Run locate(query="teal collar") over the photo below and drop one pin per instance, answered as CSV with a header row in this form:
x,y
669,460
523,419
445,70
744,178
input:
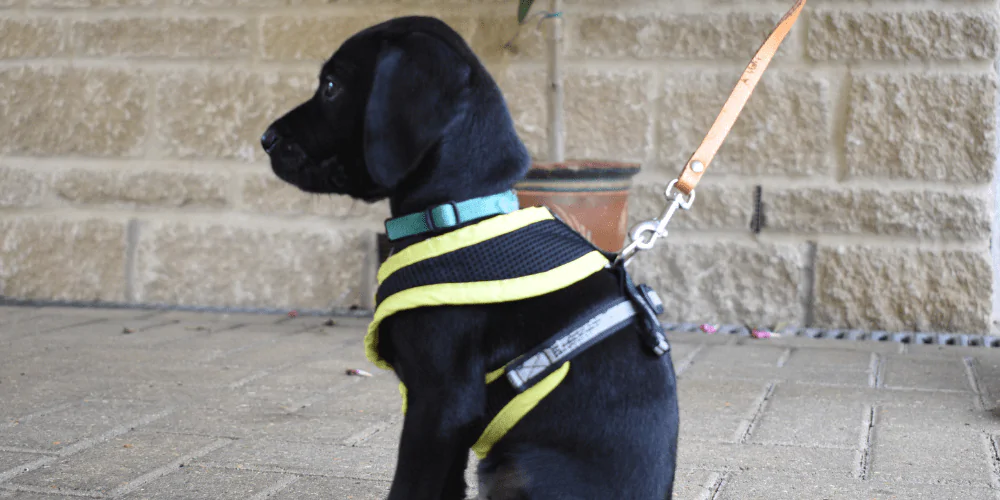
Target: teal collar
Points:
x,y
450,215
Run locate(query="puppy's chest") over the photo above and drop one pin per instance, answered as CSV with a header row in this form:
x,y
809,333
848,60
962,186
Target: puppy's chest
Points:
x,y
525,254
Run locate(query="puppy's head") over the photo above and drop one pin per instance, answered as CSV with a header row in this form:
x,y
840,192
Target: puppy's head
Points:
x,y
405,110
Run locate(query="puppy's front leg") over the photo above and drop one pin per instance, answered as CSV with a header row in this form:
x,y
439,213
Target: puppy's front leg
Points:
x,y
434,449
446,397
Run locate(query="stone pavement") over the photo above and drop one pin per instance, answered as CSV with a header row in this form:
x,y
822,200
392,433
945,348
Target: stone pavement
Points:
x,y
154,405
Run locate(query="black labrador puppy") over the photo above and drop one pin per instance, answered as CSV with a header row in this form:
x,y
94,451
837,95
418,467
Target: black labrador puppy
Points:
x,y
406,111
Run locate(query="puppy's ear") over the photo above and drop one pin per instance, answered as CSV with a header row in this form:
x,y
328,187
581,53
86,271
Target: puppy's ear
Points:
x,y
418,89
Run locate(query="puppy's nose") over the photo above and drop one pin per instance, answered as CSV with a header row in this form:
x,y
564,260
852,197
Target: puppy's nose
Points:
x,y
269,140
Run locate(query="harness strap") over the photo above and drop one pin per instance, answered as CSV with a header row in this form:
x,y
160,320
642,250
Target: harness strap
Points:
x,y
594,326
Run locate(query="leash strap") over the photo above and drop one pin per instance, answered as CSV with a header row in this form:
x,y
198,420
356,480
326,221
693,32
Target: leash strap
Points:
x,y
705,153
450,215
680,191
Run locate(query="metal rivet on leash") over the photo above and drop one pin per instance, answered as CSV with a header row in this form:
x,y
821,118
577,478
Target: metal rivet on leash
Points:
x,y
646,233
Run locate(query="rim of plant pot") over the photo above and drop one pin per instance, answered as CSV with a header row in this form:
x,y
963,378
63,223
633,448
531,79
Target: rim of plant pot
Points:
x,y
583,169
592,176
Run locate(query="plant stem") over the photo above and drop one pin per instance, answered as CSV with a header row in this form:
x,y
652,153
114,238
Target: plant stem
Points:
x,y
557,135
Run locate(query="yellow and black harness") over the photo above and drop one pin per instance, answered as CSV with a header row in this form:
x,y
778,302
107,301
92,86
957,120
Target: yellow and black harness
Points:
x,y
516,255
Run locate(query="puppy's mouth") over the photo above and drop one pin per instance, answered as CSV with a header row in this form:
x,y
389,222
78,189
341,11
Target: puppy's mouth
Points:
x,y
329,176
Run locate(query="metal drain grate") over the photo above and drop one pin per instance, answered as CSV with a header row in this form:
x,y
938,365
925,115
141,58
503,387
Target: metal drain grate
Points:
x,y
952,339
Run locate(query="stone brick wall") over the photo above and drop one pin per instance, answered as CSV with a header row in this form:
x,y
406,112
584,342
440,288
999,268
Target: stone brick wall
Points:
x,y
130,169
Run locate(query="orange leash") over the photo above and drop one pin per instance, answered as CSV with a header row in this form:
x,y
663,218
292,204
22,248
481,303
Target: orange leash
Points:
x,y
703,156
644,235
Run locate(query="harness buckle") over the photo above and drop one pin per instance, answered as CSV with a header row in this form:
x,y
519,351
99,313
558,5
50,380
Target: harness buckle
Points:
x,y
429,216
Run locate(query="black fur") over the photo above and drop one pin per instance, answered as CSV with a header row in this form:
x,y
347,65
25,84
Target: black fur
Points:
x,y
414,117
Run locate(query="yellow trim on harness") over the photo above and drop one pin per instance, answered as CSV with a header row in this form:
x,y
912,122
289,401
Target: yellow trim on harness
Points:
x,y
518,407
460,238
495,374
480,292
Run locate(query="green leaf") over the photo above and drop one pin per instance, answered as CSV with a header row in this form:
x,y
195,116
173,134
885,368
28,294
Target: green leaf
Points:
x,y
522,10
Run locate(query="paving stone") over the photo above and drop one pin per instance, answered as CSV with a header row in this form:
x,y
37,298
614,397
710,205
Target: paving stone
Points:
x,y
41,324
947,375
305,458
10,315
377,397
694,484
12,459
880,488
813,416
731,457
929,447
260,424
198,483
110,464
743,354
68,425
23,495
830,376
714,410
841,359
789,485
785,485
327,487
381,435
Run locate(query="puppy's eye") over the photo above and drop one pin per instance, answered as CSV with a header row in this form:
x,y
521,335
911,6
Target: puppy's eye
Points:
x,y
330,90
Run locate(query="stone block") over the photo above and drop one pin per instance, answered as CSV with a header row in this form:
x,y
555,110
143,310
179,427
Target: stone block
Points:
x,y
720,205
733,35
726,281
265,193
199,483
240,265
21,187
902,289
205,36
906,213
316,38
783,130
492,34
912,35
932,127
156,188
524,90
51,111
108,465
50,258
233,108
607,114
908,373
32,37
801,415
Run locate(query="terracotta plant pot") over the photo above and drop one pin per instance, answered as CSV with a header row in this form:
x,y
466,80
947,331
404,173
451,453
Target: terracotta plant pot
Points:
x,y
590,196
